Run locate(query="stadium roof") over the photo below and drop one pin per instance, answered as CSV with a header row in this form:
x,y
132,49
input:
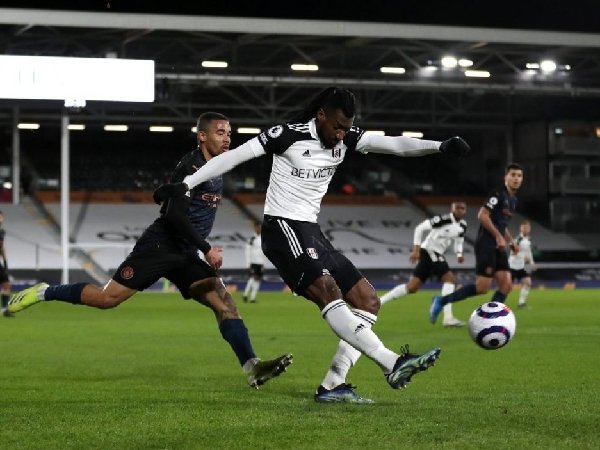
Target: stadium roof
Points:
x,y
260,44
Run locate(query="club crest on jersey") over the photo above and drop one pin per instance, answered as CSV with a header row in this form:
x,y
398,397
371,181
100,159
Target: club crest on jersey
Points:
x,y
127,273
312,253
336,153
275,131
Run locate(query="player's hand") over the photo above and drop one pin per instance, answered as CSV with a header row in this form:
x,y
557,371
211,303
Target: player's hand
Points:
x,y
214,257
514,247
460,259
533,268
455,146
165,191
500,242
414,257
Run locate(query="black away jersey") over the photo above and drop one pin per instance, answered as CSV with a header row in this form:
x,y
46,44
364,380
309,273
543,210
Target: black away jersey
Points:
x,y
502,206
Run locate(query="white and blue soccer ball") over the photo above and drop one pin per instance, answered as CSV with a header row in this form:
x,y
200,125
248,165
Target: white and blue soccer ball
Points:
x,y
492,325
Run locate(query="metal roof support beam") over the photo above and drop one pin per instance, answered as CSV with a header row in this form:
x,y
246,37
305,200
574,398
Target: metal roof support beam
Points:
x,y
41,17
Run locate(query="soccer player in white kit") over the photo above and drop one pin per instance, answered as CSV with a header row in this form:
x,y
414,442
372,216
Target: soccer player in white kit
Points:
x,y
518,262
255,260
443,231
306,153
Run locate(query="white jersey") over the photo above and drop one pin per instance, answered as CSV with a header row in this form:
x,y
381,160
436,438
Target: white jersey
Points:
x,y
302,167
443,231
254,253
517,261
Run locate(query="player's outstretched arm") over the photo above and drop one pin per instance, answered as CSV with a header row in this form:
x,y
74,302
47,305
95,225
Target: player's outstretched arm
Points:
x,y
397,145
225,162
407,146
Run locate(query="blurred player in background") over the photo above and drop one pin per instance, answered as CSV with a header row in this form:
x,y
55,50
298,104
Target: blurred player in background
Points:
x,y
169,248
518,262
493,236
306,153
4,278
443,230
255,260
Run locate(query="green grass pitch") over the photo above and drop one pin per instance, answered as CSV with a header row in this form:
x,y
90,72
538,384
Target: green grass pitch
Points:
x,y
156,374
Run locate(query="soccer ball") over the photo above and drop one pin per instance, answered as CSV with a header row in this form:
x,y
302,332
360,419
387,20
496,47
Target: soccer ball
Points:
x,y
492,325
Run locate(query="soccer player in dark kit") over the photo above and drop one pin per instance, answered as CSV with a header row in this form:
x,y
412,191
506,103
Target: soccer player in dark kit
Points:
x,y
491,257
169,248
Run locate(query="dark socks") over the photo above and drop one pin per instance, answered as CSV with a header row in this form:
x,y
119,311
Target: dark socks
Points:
x,y
5,298
70,293
468,290
234,331
499,297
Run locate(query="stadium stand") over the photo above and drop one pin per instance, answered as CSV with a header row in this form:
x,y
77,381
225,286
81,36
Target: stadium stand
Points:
x,y
375,231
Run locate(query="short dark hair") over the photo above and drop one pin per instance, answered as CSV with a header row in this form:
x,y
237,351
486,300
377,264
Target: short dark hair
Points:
x,y
330,99
512,166
206,118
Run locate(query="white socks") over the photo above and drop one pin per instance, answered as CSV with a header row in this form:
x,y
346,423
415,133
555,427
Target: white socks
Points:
x,y
249,284
358,334
252,287
523,294
398,291
346,355
447,288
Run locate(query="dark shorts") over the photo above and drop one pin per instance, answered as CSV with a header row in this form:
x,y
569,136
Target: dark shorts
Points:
x,y
142,269
427,266
3,275
489,260
519,274
301,254
256,270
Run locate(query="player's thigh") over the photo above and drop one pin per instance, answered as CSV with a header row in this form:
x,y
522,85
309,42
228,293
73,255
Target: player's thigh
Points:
x,y
485,261
424,267
519,275
4,278
289,245
344,272
440,267
192,270
257,271
515,275
141,270
502,261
